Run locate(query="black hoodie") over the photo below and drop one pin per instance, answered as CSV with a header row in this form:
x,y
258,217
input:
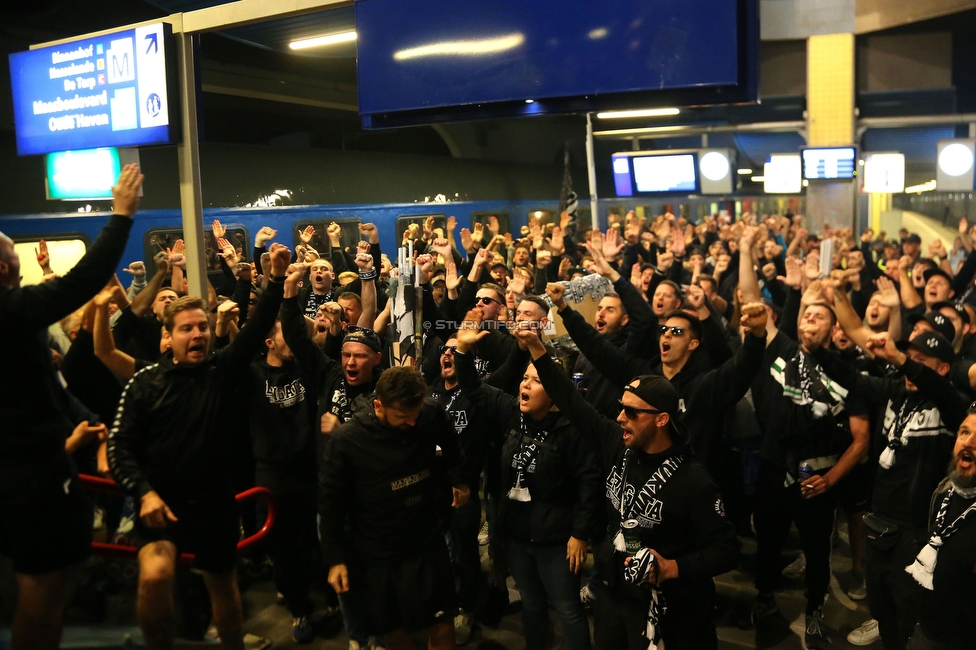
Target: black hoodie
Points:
x,y
385,493
689,522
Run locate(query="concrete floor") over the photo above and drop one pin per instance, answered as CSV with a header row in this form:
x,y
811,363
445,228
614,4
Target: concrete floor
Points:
x,y
269,625
783,631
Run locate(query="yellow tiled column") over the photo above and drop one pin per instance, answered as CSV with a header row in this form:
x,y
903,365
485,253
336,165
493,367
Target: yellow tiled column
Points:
x,y
830,90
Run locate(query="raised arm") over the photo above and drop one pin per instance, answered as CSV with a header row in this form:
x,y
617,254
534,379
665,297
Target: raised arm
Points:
x,y
602,432
617,366
38,306
909,296
367,276
115,360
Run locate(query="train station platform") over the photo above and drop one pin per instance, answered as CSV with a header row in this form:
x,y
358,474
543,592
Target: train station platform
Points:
x,y
268,625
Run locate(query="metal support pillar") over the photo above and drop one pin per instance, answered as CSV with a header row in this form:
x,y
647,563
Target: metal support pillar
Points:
x,y
191,192
591,174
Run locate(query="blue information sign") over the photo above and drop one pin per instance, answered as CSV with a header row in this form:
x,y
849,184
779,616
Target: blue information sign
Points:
x,y
114,90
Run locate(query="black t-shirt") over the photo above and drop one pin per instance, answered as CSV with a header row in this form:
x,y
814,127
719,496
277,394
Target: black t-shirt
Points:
x,y
800,409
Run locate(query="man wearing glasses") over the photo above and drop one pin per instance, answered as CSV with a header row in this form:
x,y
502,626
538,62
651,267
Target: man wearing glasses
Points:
x,y
668,535
479,292
703,397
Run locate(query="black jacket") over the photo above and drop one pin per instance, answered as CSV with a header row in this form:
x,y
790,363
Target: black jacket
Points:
x,y
385,493
565,483
34,426
690,523
945,613
901,494
323,375
704,396
169,435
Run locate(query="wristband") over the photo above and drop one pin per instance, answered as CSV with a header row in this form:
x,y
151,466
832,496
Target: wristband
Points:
x,y
368,274
276,278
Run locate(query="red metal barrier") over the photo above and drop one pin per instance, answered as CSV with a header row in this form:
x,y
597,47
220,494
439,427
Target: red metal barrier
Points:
x,y
109,486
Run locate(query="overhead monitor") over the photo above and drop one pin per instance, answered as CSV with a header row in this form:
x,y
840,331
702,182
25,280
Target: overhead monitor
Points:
x,y
88,174
829,163
782,174
884,172
441,60
655,173
113,90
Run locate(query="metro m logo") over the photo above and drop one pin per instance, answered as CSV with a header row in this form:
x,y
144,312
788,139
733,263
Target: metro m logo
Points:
x,y
121,61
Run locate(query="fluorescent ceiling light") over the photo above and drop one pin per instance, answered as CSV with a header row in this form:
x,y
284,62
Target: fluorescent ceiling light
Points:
x,y
462,48
318,41
928,186
757,179
645,112
744,171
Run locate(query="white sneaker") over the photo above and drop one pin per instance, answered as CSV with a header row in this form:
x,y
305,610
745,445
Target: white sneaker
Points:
x,y
796,569
865,635
462,628
483,535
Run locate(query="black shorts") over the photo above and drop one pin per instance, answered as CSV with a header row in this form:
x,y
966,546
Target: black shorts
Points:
x,y
208,527
854,490
411,594
47,525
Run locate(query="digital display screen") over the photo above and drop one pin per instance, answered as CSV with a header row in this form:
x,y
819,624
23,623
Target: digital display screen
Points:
x,y
827,164
653,174
114,90
434,60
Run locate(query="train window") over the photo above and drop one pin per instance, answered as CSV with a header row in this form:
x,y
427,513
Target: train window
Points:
x,y
482,218
404,221
160,239
542,217
615,215
348,233
584,219
64,252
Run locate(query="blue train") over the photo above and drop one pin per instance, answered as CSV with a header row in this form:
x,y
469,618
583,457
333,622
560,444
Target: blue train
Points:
x,y
154,230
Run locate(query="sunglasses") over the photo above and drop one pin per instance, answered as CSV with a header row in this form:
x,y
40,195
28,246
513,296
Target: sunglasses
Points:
x,y
445,348
368,333
485,300
675,331
632,413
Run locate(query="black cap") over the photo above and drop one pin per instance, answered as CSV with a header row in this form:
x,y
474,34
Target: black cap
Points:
x,y
958,306
497,264
931,344
939,323
929,273
913,238
364,335
893,243
660,393
577,269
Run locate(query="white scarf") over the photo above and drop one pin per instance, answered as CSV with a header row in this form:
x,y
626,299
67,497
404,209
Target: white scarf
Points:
x,y
923,568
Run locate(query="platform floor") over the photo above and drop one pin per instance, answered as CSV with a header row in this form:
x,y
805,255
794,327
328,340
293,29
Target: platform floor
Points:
x,y
269,625
783,631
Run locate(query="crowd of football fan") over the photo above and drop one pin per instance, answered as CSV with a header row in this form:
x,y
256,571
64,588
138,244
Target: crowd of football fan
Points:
x,y
730,383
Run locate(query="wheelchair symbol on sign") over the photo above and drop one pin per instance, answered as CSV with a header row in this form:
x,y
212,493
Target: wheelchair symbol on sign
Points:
x,y
153,105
